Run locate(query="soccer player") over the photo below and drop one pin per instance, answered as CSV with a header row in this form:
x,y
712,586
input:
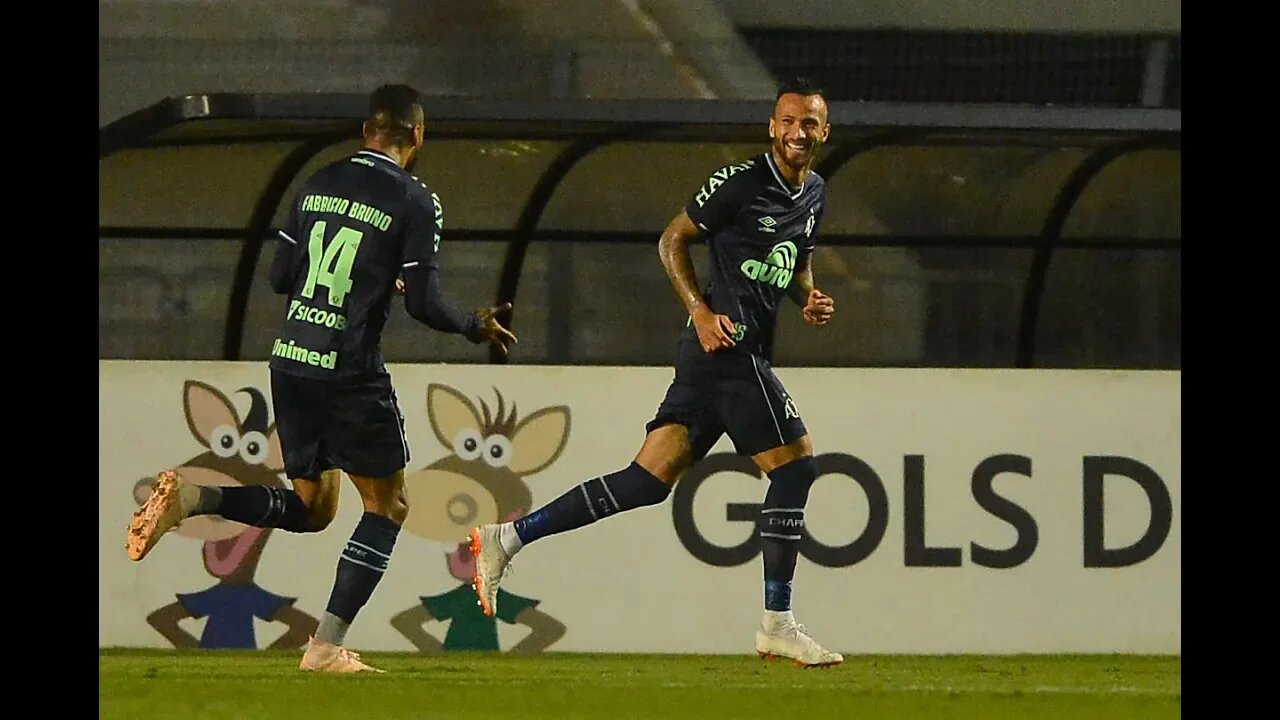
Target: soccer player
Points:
x,y
360,230
760,217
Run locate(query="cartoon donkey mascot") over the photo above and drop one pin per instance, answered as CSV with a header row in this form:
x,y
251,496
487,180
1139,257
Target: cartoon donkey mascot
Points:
x,y
481,480
243,453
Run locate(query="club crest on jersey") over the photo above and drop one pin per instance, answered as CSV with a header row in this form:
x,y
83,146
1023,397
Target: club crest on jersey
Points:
x,y
790,406
777,268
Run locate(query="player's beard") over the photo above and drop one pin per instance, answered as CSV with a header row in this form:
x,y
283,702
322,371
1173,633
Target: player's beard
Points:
x,y
792,159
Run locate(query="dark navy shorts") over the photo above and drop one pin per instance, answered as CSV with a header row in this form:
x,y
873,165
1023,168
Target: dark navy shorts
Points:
x,y
354,425
728,392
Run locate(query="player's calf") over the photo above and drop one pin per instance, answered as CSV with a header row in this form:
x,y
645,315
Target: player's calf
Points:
x,y
493,546
781,527
259,506
596,499
363,562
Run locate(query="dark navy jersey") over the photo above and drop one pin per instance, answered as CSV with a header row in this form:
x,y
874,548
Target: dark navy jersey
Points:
x,y
758,228
355,224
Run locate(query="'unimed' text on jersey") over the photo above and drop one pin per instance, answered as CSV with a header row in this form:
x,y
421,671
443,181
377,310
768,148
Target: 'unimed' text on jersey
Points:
x,y
758,229
356,223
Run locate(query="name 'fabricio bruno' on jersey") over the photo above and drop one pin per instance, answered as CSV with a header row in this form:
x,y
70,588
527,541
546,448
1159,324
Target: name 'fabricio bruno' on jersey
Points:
x,y
354,227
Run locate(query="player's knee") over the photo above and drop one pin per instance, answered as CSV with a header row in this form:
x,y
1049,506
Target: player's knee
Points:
x,y
666,453
665,470
777,457
394,507
320,516
399,509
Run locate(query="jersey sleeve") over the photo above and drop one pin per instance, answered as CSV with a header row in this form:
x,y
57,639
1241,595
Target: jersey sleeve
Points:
x,y
291,233
721,197
289,252
425,222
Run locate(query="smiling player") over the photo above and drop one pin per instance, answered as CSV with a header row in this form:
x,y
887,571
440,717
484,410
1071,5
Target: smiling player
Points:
x,y
760,219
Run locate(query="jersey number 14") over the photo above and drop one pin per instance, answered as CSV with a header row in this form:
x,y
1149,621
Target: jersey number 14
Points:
x,y
331,265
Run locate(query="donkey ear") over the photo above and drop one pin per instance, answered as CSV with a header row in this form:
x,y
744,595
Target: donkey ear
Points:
x,y
539,439
207,409
450,413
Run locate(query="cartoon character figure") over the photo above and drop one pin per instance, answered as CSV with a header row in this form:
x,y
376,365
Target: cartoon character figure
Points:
x,y
246,453
480,481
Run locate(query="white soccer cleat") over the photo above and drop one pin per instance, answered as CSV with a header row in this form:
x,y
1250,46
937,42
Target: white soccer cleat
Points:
x,y
321,656
791,640
492,564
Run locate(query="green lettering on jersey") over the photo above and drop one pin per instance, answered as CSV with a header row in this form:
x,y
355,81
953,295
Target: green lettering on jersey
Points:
x,y
331,265
778,267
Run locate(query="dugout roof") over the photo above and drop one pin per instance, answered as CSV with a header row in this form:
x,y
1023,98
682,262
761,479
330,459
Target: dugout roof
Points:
x,y
222,166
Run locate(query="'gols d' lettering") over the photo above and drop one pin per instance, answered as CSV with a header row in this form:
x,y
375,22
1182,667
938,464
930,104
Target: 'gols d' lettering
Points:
x,y
1096,470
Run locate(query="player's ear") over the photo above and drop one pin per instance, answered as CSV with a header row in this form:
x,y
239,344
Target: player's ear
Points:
x,y
419,135
826,132
773,129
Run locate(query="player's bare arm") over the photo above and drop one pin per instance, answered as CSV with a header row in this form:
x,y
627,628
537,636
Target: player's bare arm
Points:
x,y
714,331
815,306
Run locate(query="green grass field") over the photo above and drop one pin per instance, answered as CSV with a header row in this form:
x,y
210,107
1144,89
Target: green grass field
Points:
x,y
199,685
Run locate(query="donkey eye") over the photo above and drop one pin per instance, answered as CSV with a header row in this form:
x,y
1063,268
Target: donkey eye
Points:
x,y
253,447
467,444
224,441
497,450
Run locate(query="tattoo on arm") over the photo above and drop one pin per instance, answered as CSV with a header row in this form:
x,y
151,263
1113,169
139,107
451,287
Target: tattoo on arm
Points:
x,y
802,281
673,249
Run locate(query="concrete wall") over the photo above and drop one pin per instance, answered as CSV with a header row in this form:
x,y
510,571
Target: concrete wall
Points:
x,y
152,49
1155,16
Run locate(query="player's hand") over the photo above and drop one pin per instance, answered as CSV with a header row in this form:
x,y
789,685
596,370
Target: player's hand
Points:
x,y
818,309
491,330
715,332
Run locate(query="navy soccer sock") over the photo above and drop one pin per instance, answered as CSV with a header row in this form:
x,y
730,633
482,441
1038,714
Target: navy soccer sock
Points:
x,y
781,527
360,568
595,499
257,505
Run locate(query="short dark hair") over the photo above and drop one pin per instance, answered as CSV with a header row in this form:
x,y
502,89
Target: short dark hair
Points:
x,y
799,86
395,110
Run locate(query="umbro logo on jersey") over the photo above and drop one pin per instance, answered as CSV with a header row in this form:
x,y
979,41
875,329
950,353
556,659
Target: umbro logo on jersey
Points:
x,y
767,224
